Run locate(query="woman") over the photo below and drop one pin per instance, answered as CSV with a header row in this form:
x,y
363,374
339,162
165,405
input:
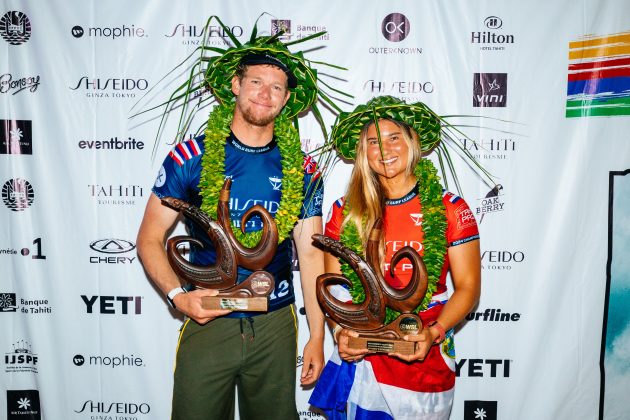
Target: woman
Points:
x,y
391,180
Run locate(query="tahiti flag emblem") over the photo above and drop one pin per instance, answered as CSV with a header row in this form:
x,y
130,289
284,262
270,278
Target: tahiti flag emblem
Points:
x,y
599,76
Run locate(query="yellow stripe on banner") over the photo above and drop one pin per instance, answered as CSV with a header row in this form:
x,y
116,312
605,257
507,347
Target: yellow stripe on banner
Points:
x,y
179,340
618,44
295,325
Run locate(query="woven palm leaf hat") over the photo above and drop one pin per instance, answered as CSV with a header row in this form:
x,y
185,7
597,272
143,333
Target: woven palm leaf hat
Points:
x,y
433,131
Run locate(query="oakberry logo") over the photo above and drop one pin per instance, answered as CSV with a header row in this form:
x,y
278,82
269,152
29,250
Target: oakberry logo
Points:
x,y
15,27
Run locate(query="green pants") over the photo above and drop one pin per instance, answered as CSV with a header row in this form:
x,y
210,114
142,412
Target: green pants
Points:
x,y
257,356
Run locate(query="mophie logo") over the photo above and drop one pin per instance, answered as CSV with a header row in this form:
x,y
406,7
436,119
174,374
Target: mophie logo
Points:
x,y
483,368
15,27
101,407
395,27
16,137
113,247
113,362
113,305
490,90
18,194
123,31
21,358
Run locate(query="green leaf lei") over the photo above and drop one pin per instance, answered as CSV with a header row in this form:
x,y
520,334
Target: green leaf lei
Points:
x,y
434,242
213,171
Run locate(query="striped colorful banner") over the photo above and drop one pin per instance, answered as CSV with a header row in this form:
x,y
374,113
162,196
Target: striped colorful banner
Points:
x,y
599,76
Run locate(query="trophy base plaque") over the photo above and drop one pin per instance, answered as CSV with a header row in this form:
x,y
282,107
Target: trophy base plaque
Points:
x,y
382,345
252,295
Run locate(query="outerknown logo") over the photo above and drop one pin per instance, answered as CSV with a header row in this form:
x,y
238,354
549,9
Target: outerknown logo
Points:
x,y
15,27
480,410
23,405
17,194
16,137
395,27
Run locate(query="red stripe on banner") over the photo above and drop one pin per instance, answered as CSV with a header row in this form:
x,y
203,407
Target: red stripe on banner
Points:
x,y
176,158
182,148
600,74
600,64
195,147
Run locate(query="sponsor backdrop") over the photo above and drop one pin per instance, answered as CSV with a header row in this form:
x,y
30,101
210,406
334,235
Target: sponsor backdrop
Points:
x,y
539,88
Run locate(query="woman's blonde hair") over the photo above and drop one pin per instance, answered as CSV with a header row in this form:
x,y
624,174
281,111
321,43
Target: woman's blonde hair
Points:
x,y
365,196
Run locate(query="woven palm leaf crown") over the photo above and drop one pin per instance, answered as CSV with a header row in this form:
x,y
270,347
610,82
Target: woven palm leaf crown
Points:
x,y
418,116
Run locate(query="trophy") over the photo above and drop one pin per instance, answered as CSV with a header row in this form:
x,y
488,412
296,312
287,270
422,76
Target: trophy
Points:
x,y
253,293
367,318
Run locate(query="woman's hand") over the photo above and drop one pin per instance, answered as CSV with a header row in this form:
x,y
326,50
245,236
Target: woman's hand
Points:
x,y
342,337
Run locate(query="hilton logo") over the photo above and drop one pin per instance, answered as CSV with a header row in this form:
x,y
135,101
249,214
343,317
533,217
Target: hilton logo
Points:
x,y
490,40
490,90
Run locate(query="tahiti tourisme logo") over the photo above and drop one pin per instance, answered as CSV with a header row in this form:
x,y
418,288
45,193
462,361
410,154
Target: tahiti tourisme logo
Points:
x,y
492,148
491,39
15,27
119,195
490,90
480,410
599,76
16,137
17,194
23,405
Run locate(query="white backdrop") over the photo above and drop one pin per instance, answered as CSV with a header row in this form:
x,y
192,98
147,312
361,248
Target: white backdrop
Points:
x,y
85,334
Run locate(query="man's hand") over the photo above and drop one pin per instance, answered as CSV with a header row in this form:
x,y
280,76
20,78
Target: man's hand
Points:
x,y
313,361
424,341
346,353
190,305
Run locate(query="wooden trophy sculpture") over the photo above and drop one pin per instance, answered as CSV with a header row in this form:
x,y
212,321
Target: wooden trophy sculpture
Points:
x,y
367,318
253,293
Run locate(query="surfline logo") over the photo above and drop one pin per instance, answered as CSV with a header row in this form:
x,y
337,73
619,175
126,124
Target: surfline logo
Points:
x,y
599,76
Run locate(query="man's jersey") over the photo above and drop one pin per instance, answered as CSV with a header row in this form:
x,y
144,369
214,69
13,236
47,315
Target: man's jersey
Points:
x,y
256,174
403,227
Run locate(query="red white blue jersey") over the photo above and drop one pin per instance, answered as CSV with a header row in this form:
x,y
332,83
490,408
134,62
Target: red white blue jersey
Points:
x,y
256,174
383,387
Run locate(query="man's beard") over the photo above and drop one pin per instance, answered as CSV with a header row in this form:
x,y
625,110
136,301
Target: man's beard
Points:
x,y
258,120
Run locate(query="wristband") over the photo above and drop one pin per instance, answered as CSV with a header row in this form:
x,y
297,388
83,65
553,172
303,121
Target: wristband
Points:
x,y
176,291
440,329
335,330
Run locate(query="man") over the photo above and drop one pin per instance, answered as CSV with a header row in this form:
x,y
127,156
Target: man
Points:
x,y
220,350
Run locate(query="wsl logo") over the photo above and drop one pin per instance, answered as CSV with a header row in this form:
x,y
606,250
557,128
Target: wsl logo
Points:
x,y
15,27
21,359
490,90
18,194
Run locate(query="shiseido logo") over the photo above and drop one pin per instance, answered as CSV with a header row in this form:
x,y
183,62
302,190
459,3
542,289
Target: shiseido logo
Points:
x,y
116,194
480,410
23,405
14,84
492,315
109,361
110,88
112,144
16,137
113,305
501,260
193,35
490,90
15,27
17,194
480,368
409,89
123,31
491,40
112,246
21,358
491,203
102,407
395,27
8,302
